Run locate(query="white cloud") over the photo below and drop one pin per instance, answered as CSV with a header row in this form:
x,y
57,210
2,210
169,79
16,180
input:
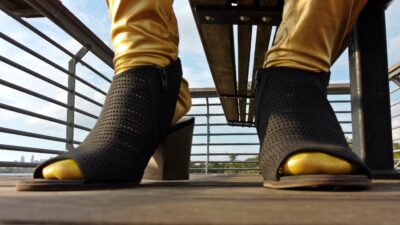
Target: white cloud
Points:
x,y
189,38
198,77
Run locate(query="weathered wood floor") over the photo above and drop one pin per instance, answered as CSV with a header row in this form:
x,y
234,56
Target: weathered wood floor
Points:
x,y
206,199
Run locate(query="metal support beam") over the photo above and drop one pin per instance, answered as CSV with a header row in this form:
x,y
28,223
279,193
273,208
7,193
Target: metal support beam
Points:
x,y
241,15
20,8
71,97
372,131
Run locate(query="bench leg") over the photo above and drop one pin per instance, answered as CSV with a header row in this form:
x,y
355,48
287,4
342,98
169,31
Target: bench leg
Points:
x,y
372,130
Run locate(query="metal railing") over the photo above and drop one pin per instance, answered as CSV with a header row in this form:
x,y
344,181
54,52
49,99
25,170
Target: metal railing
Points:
x,y
230,151
79,32
214,148
394,76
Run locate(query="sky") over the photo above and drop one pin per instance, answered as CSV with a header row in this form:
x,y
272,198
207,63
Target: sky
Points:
x,y
94,14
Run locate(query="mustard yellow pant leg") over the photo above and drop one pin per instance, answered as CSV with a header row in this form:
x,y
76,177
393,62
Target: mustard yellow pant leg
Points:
x,y
145,32
312,32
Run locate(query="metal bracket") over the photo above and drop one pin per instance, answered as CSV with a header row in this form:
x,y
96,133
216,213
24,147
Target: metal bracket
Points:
x,y
241,15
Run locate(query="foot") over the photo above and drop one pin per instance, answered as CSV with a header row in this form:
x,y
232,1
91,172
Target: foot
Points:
x,y
136,116
293,115
62,170
69,169
315,163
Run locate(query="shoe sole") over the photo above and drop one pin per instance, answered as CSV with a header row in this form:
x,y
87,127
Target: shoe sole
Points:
x,y
68,185
335,182
176,169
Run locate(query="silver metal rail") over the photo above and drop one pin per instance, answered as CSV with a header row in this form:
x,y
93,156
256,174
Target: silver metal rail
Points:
x,y
221,156
394,76
71,25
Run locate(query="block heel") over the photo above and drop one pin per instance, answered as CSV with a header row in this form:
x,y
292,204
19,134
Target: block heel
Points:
x,y
171,159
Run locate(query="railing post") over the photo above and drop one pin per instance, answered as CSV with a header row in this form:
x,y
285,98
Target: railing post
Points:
x,y
372,132
71,98
208,134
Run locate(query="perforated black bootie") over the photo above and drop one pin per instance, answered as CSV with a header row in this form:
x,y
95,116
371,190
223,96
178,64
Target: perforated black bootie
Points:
x,y
136,116
293,115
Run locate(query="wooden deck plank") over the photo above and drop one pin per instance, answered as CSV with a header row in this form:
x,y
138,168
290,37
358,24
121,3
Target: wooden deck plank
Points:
x,y
219,48
244,47
205,199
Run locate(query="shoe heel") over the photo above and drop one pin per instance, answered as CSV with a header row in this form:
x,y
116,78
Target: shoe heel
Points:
x,y
171,160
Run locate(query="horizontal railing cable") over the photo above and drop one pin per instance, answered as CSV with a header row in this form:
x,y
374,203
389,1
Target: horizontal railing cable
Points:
x,y
394,90
219,104
30,149
343,111
222,114
396,115
339,101
211,124
205,114
17,164
223,144
226,154
44,59
227,162
396,127
211,104
394,104
223,169
36,135
50,81
54,43
224,134
40,116
43,97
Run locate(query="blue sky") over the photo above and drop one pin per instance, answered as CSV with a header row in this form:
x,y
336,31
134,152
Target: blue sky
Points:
x,y
94,14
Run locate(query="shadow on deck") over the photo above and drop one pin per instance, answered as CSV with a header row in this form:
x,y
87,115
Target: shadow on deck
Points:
x,y
206,199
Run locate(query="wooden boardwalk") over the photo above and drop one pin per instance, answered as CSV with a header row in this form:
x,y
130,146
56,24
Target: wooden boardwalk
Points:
x,y
206,199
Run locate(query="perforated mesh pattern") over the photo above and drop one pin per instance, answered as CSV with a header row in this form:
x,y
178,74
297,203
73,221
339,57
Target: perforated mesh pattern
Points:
x,y
136,115
294,115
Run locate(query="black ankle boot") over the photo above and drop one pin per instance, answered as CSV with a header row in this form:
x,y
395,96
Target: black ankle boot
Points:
x,y
136,116
292,115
